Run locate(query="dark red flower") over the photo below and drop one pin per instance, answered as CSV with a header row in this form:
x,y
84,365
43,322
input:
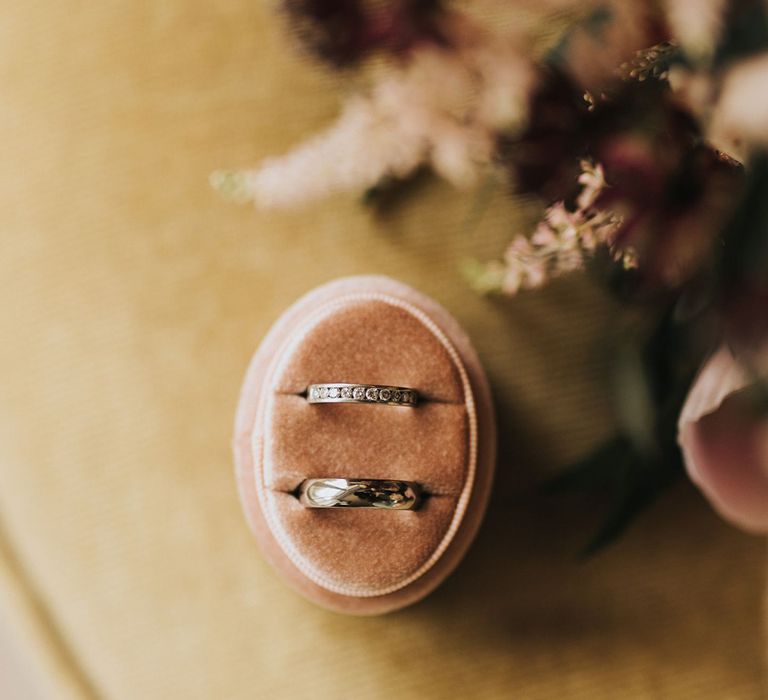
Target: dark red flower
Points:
x,y
673,192
345,32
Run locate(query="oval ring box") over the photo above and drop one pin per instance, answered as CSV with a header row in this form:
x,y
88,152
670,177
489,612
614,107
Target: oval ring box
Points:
x,y
365,330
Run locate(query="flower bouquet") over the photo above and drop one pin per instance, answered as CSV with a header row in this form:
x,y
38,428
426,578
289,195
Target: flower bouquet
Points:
x,y
642,130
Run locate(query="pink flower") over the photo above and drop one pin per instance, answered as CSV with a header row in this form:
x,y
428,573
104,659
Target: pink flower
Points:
x,y
441,107
741,114
593,180
696,24
725,443
561,243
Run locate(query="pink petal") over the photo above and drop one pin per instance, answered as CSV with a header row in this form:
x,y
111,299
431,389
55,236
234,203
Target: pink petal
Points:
x,y
725,443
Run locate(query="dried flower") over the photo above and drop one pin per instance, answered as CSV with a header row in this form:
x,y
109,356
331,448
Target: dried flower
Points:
x,y
443,108
672,193
592,180
651,63
561,243
366,144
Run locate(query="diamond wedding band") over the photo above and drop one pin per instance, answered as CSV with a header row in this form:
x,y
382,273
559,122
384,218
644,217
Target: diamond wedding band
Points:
x,y
359,493
362,393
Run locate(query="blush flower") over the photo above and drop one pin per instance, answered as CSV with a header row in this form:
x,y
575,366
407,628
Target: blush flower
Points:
x,y
442,109
697,25
725,443
561,243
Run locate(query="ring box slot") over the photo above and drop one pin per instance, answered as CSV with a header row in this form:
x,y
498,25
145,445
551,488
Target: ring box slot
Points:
x,y
368,342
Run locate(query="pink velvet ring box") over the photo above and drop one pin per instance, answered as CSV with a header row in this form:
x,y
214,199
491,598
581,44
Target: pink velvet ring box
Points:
x,y
365,330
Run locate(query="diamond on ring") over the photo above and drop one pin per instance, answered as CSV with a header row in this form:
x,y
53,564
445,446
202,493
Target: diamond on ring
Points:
x,y
362,393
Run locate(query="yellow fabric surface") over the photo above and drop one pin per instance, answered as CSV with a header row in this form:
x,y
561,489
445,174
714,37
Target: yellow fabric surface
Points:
x,y
132,300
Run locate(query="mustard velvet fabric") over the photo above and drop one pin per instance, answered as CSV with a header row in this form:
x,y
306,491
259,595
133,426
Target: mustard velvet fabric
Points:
x,y
132,300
